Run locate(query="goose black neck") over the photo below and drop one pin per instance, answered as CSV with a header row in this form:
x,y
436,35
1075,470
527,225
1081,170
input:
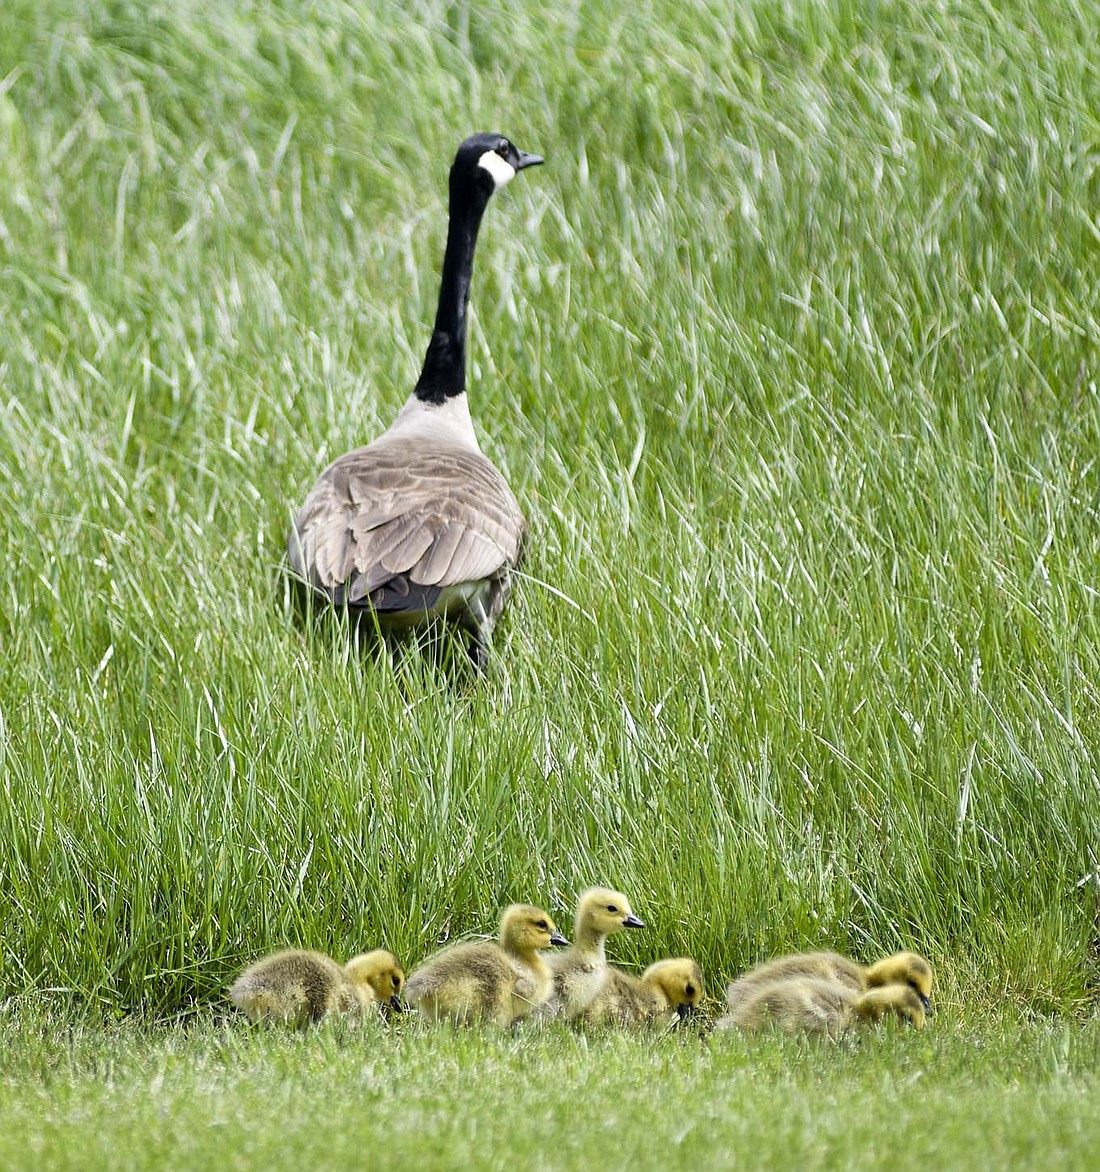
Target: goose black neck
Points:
x,y
444,371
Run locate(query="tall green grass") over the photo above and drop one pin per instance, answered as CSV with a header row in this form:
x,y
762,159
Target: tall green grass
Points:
x,y
790,353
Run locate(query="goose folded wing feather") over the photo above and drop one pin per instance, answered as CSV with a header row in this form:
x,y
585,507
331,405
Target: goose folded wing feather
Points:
x,y
378,520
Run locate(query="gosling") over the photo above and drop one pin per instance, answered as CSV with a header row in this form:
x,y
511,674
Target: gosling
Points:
x,y
580,971
673,985
500,982
903,968
815,1006
296,987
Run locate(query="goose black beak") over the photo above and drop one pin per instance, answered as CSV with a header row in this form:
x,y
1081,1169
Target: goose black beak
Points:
x,y
926,1004
526,160
396,1004
684,1011
558,940
632,921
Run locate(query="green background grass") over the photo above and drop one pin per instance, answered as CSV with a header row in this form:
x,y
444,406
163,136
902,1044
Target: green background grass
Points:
x,y
790,352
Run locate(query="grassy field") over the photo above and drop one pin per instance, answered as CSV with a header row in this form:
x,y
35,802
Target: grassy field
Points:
x,y
214,1097
791,355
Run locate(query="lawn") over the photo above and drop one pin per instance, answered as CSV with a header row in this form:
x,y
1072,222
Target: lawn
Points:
x,y
991,1094
790,353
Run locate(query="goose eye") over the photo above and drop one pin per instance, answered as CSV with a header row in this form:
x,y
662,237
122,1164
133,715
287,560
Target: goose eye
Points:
x,y
397,982
543,925
612,909
503,148
690,990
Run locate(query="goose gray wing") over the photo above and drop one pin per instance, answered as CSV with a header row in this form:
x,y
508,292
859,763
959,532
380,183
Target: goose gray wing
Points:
x,y
392,525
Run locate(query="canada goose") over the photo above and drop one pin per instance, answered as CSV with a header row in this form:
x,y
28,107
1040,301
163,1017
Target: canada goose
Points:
x,y
579,972
419,525
903,968
501,982
673,985
298,987
817,1006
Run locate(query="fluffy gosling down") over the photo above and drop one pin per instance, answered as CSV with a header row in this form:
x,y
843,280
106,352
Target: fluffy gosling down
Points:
x,y
816,1006
580,971
903,968
487,981
669,986
299,987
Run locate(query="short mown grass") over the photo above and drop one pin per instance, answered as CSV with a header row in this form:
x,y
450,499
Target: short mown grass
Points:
x,y
989,1094
790,353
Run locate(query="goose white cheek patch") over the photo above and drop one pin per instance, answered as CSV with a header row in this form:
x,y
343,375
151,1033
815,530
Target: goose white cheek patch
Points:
x,y
501,172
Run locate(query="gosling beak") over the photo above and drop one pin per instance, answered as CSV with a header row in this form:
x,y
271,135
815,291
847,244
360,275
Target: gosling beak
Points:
x,y
632,921
926,1004
526,160
684,1011
558,940
396,1004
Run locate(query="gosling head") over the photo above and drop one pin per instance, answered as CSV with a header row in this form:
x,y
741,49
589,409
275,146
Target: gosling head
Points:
x,y
380,972
524,928
601,911
680,979
896,1000
484,164
903,968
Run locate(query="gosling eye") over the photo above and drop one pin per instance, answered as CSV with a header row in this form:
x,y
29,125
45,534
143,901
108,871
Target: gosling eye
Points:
x,y
612,909
543,925
690,990
397,982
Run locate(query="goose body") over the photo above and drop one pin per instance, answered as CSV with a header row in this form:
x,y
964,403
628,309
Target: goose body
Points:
x,y
667,987
499,981
580,971
817,1006
298,987
419,526
903,968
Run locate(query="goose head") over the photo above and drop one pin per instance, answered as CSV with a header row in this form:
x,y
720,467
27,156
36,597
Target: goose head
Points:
x,y
483,164
526,929
601,911
380,972
903,968
680,980
898,1000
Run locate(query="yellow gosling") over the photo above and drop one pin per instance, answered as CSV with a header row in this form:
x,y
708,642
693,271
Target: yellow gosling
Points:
x,y
500,982
891,1000
816,1006
579,972
381,974
903,968
297,987
669,986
